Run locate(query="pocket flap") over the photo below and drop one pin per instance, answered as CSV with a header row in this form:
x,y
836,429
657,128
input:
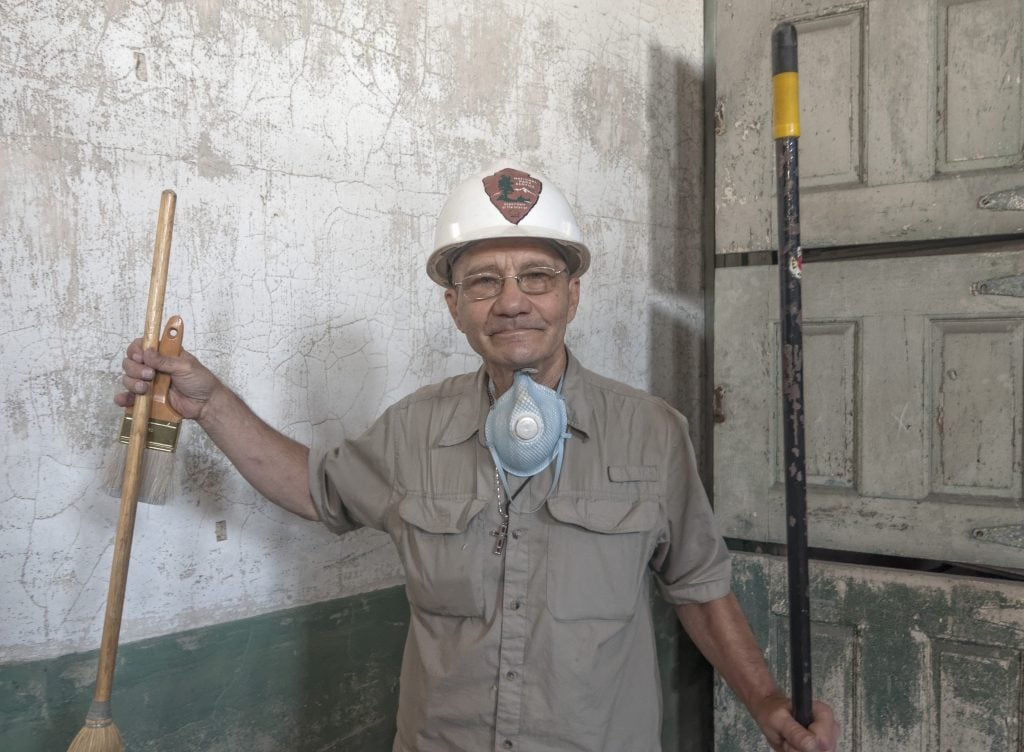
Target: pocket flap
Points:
x,y
627,473
434,515
606,515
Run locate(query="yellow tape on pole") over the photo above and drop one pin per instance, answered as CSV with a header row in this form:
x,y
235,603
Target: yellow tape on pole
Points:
x,y
786,105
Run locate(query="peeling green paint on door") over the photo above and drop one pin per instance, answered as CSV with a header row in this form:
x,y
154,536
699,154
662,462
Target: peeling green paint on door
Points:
x,y
909,660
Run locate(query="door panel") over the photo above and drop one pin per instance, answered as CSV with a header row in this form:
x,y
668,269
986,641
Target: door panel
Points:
x,y
911,113
909,660
914,392
979,97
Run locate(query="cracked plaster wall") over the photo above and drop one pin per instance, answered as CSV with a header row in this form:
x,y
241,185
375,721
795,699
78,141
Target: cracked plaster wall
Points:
x,y
311,145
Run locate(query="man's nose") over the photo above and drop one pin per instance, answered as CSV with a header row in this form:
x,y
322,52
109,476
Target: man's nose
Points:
x,y
511,300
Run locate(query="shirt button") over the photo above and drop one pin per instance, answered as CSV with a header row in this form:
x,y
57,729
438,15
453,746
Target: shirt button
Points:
x,y
515,605
511,675
516,533
508,744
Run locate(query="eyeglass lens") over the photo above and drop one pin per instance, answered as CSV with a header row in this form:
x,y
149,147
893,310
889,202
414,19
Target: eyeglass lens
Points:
x,y
533,281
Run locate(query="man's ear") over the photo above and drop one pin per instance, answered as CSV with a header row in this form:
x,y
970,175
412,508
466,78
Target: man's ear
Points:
x,y
574,297
451,297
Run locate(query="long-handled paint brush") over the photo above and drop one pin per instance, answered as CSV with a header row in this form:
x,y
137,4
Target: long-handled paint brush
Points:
x,y
99,734
161,434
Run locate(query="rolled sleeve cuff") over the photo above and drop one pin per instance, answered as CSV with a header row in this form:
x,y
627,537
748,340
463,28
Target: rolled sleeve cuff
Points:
x,y
709,588
325,496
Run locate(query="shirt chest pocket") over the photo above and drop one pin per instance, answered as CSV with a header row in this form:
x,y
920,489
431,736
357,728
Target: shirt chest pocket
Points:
x,y
440,542
598,552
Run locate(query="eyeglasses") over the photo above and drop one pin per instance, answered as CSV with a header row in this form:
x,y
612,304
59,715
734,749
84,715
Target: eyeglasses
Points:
x,y
536,280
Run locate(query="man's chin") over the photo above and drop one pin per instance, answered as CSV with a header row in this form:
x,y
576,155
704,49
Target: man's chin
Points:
x,y
515,356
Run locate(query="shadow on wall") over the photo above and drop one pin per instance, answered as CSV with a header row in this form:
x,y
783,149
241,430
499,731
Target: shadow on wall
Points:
x,y
675,166
677,360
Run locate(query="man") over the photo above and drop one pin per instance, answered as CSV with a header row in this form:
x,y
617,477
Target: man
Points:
x,y
531,503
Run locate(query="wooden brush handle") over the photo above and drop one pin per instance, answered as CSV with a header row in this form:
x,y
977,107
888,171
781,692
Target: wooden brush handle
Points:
x,y
133,463
170,344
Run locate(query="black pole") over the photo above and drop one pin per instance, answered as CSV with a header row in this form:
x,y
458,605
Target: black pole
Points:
x,y
786,132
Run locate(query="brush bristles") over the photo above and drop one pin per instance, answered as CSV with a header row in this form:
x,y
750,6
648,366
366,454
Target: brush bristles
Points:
x,y
155,480
97,736
113,469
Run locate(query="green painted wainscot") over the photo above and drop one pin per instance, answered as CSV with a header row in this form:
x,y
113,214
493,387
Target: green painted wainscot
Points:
x,y
322,677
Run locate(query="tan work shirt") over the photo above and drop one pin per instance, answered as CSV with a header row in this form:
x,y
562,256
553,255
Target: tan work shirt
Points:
x,y
548,646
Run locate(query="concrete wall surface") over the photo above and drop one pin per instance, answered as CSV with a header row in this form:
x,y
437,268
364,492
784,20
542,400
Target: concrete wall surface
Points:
x,y
311,144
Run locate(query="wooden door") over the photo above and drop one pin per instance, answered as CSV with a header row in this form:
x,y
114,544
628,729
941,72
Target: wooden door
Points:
x,y
911,153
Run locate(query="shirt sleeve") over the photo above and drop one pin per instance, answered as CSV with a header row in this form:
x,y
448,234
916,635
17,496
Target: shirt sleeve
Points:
x,y
692,565
353,485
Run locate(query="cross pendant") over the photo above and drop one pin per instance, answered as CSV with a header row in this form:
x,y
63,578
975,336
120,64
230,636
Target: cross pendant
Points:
x,y
500,535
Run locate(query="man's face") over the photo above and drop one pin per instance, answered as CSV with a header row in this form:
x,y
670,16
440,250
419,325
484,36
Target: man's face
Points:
x,y
515,330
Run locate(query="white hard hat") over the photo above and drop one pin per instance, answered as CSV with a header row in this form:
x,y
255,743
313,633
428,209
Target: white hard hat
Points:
x,y
506,202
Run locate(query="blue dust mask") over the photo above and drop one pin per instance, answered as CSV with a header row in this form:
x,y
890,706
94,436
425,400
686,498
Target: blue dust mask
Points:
x,y
526,430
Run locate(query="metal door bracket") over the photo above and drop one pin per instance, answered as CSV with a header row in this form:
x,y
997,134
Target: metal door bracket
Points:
x,y
1004,535
718,408
1012,199
1012,285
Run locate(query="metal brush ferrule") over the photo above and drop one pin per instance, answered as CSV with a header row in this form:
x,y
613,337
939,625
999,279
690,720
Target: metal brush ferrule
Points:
x,y
160,435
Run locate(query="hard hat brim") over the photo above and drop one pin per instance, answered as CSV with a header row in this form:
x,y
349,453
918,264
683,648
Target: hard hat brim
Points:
x,y
439,265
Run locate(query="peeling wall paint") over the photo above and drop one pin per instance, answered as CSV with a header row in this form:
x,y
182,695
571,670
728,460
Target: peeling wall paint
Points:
x,y
311,145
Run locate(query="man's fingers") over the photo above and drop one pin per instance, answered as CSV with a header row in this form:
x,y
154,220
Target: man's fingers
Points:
x,y
136,369
174,365
796,738
825,725
785,734
124,399
803,740
135,350
136,376
822,736
135,386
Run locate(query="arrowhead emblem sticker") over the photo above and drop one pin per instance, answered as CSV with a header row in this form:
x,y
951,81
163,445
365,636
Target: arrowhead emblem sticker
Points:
x,y
513,192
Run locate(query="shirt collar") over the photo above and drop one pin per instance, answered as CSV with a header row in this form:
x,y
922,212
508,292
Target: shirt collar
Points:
x,y
469,412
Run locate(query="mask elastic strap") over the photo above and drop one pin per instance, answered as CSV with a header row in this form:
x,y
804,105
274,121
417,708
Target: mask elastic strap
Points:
x,y
560,451
559,456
